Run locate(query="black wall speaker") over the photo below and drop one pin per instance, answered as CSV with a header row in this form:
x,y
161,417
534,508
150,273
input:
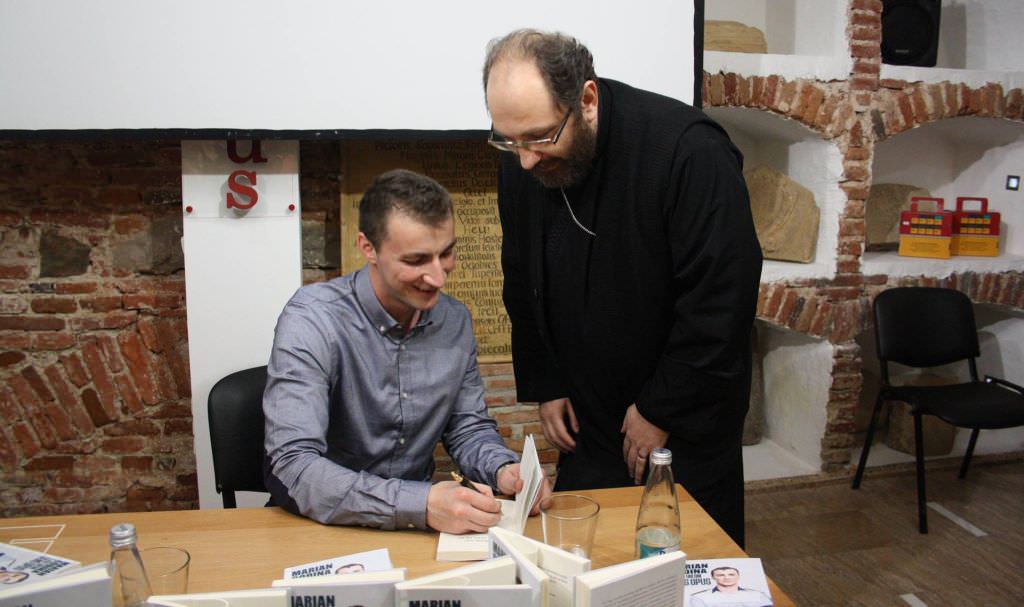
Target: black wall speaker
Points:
x,y
910,32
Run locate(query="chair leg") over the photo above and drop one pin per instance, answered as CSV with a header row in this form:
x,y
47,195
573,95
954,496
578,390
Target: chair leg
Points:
x,y
867,443
922,514
228,497
969,452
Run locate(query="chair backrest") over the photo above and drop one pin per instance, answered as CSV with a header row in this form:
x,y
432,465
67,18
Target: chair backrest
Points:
x,y
235,409
925,326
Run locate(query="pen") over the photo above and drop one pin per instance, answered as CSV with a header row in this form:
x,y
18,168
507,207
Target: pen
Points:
x,y
462,480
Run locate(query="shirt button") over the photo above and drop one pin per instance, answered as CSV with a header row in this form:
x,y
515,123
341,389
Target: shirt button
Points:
x,y
382,328
401,347
401,441
411,526
405,395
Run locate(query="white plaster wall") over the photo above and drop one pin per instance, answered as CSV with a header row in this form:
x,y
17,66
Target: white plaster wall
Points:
x,y
981,34
797,376
795,150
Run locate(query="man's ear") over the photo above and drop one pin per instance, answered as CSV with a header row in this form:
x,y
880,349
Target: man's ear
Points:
x,y
588,101
366,248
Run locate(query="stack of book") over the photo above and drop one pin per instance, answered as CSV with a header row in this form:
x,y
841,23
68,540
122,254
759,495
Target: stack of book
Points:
x,y
36,579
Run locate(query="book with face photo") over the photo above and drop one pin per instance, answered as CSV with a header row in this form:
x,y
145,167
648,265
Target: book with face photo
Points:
x,y
733,582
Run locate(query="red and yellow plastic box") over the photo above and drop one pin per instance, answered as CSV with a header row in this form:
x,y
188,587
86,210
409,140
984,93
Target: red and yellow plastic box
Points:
x,y
926,233
975,232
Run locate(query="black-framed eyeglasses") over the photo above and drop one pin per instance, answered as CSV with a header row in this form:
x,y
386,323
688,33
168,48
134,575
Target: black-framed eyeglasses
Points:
x,y
507,145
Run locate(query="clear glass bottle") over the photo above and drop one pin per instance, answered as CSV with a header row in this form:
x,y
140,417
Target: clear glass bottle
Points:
x,y
657,524
127,573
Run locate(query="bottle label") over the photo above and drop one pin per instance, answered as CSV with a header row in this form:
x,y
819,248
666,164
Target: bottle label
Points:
x,y
645,550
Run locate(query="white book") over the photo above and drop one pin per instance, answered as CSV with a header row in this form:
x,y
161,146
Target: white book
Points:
x,y
742,582
368,589
371,560
656,581
476,546
550,571
27,566
486,584
269,597
84,587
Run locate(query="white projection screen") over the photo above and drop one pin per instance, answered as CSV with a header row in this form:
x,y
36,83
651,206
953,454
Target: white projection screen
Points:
x,y
306,68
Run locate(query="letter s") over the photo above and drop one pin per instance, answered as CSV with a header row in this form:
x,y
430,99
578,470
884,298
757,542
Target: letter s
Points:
x,y
243,190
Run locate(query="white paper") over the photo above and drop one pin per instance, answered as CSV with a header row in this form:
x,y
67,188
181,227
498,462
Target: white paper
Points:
x,y
372,560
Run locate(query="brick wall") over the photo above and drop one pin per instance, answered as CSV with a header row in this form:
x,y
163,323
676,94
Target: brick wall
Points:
x,y
94,379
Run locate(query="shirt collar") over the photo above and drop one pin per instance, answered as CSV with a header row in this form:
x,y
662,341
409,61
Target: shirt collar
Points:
x,y
383,322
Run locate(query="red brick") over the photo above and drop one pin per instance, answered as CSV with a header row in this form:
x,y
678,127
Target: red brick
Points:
x,y
137,358
75,288
123,444
102,379
69,218
9,411
9,463
32,407
75,369
37,383
51,462
133,427
69,400
52,341
27,440
31,323
101,303
54,305
141,464
97,322
129,396
111,352
153,302
98,413
23,272
179,426
8,359
141,498
59,420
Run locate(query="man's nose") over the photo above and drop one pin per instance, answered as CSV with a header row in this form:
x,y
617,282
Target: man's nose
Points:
x,y
435,275
528,158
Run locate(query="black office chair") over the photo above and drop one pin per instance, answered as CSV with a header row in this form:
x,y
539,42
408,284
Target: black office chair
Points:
x,y
926,327
235,408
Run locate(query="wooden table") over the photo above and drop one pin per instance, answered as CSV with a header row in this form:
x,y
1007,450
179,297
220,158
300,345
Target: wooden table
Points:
x,y
250,547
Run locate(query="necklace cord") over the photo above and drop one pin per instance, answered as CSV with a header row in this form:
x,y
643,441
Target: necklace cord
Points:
x,y
573,215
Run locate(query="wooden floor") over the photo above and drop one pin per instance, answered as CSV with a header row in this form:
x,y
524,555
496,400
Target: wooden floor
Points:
x,y
831,545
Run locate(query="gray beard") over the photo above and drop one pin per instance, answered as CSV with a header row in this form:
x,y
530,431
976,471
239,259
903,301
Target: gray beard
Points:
x,y
575,166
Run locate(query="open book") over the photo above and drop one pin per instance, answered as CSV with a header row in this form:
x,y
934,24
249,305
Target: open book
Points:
x,y
81,587
732,580
367,589
475,546
547,570
655,581
489,583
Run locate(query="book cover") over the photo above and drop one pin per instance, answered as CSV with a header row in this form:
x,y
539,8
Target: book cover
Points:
x,y
270,597
655,581
369,589
371,560
83,587
489,583
732,582
21,566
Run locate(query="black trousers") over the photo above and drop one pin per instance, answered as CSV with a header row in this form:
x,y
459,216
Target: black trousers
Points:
x,y
712,474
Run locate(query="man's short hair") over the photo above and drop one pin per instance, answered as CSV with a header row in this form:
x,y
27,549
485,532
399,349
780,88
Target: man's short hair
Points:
x,y
723,568
563,61
399,190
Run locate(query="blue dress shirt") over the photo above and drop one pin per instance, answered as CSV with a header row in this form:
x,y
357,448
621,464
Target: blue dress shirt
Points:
x,y
355,406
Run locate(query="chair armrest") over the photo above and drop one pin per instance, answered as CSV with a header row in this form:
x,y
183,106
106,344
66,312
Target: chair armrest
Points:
x,y
1002,382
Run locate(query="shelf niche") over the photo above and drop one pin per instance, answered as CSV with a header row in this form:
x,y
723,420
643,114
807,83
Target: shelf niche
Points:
x,y
805,38
966,156
978,44
798,152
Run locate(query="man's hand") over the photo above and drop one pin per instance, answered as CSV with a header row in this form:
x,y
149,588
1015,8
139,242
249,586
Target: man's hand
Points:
x,y
509,482
641,438
553,414
456,509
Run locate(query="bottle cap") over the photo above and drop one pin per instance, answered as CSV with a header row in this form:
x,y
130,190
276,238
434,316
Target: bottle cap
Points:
x,y
661,456
122,535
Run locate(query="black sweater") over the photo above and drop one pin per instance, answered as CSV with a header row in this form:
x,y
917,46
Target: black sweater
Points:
x,y
657,309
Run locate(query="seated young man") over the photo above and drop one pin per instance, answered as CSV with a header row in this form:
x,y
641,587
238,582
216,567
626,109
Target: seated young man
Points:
x,y
370,370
